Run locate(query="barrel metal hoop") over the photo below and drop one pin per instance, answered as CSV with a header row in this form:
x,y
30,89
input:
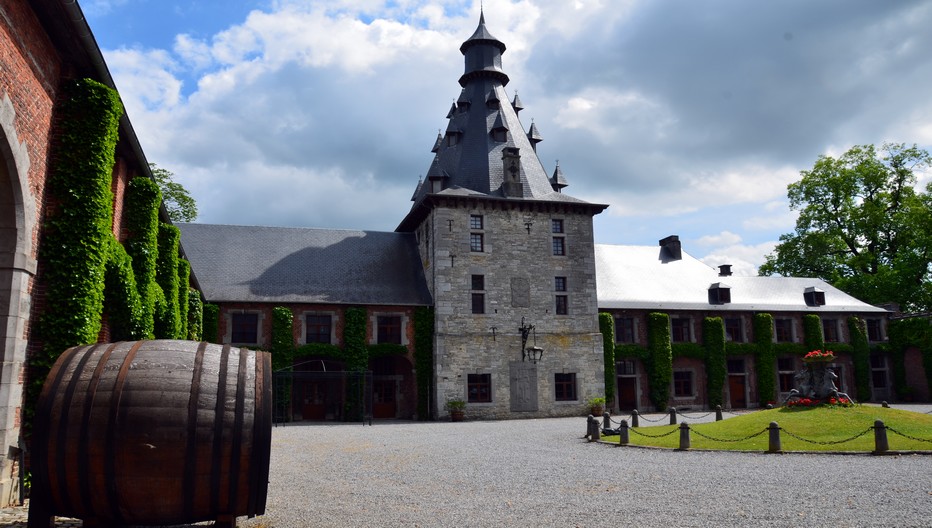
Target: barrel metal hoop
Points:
x,y
84,444
217,447
190,463
110,473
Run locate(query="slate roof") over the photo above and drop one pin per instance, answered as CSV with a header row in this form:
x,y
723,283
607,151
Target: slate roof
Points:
x,y
645,277
301,265
474,161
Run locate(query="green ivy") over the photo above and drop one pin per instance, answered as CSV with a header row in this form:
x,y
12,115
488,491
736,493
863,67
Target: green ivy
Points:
x,y
660,360
168,321
631,351
740,349
319,350
765,360
424,358
607,327
354,339
195,315
74,248
122,302
184,279
141,220
386,349
906,333
282,347
860,354
210,327
812,333
713,336
689,350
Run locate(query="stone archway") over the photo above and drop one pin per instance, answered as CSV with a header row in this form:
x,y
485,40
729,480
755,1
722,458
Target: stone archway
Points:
x,y
17,269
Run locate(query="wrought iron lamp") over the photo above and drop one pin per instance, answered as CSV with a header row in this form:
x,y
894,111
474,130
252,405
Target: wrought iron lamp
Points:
x,y
533,353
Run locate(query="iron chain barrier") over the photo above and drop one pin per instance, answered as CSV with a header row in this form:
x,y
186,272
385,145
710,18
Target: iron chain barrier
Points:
x,y
731,440
904,435
828,442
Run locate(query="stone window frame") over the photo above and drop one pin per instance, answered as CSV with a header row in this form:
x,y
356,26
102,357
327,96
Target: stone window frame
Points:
x,y
374,321
228,334
742,337
479,380
477,294
302,325
785,372
676,384
835,325
634,329
691,334
571,384
876,333
558,242
561,300
777,321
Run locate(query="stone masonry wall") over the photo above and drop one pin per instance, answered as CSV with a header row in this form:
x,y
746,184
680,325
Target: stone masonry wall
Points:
x,y
519,271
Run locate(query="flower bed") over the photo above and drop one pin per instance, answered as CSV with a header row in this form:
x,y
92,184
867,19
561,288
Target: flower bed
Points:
x,y
807,403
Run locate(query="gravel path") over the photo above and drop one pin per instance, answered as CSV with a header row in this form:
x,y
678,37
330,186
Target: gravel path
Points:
x,y
541,473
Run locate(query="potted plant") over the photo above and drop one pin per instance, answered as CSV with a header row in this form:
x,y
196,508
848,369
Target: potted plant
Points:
x,y
596,406
457,409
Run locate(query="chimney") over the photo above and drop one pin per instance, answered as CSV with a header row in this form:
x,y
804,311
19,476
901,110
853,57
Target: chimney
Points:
x,y
724,270
672,245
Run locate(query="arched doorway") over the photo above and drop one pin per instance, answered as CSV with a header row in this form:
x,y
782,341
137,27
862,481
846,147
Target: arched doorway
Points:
x,y
393,393
17,267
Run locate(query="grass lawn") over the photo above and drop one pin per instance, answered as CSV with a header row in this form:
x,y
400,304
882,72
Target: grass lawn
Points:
x,y
821,424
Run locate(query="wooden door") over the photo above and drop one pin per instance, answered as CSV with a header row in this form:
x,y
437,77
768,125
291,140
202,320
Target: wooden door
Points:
x,y
736,390
627,393
523,386
383,398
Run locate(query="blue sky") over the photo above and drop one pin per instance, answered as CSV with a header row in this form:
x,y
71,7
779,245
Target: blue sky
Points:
x,y
688,118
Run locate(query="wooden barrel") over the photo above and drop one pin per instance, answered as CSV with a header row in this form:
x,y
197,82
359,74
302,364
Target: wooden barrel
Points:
x,y
153,432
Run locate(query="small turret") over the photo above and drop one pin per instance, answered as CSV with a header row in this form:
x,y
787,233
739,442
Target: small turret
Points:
x,y
558,181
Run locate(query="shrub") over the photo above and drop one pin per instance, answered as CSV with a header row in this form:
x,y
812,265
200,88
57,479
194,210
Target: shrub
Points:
x,y
660,360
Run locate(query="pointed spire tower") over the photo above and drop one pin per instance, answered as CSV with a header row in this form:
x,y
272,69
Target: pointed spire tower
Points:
x,y
484,150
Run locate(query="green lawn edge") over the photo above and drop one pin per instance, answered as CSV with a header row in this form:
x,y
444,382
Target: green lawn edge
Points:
x,y
836,429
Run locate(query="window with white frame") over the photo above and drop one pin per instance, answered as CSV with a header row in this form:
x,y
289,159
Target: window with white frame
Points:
x,y
680,329
683,383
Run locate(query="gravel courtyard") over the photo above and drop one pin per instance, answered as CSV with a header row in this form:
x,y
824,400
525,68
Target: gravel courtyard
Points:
x,y
542,473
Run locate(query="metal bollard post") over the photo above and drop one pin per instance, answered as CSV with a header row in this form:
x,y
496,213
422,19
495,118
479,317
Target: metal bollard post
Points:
x,y
880,438
623,433
718,413
634,418
884,404
775,446
606,420
684,436
672,415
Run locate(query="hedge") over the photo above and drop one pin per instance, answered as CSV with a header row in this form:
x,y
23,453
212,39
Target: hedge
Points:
x,y
765,359
607,327
121,298
660,359
195,315
141,220
812,333
211,323
860,353
184,280
713,337
168,320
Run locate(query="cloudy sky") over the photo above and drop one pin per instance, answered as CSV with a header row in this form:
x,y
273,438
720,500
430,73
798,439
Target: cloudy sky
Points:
x,y
687,117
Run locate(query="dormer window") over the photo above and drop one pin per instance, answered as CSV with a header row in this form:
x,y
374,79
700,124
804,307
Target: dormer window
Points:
x,y
453,137
719,293
814,296
500,134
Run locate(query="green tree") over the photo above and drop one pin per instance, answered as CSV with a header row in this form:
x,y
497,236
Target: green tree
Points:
x,y
178,202
863,226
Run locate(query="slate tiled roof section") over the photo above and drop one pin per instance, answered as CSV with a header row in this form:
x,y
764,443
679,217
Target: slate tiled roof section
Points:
x,y
643,277
299,265
471,156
